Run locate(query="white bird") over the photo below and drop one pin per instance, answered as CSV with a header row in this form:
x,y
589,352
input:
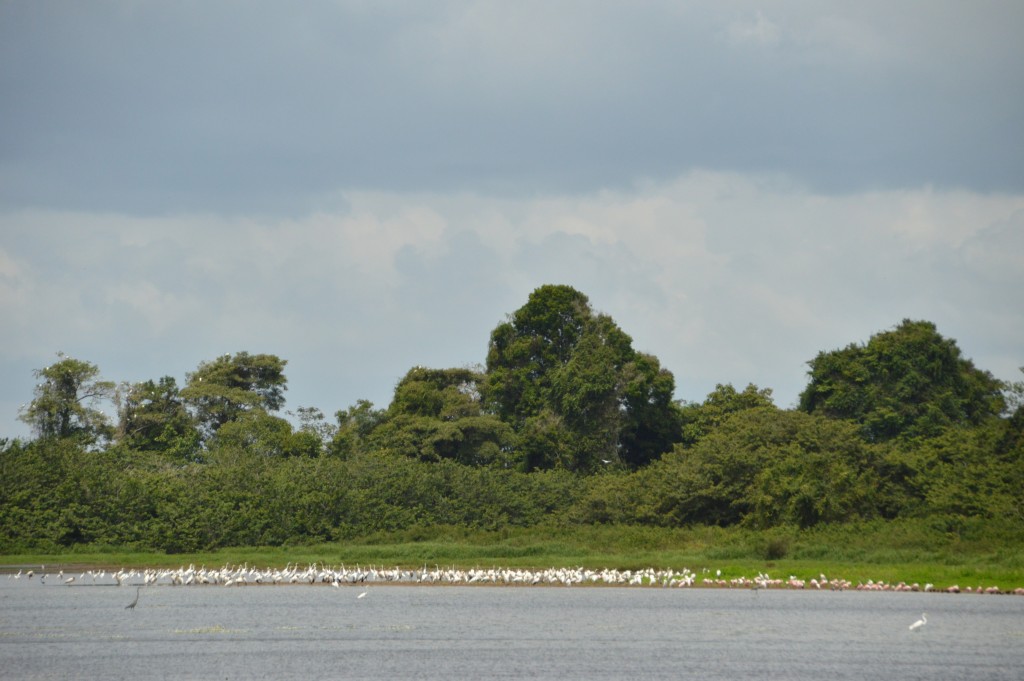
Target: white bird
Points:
x,y
920,623
361,595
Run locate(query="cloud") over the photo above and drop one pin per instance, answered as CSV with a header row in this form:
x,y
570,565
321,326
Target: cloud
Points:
x,y
172,108
361,187
758,31
726,278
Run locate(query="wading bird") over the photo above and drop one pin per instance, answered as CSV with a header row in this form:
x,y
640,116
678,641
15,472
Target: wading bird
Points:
x,y
131,606
920,623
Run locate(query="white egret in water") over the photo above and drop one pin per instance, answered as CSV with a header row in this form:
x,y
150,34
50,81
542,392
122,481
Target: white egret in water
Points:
x,y
361,595
920,623
131,606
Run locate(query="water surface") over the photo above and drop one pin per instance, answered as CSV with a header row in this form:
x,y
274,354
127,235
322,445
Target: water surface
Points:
x,y
55,631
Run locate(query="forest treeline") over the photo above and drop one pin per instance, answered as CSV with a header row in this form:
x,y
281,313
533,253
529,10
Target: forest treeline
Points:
x,y
566,423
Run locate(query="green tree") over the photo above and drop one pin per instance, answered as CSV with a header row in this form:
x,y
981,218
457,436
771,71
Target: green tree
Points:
x,y
1013,393
260,433
700,419
760,467
571,385
965,473
436,414
354,427
223,390
66,399
906,382
154,418
313,421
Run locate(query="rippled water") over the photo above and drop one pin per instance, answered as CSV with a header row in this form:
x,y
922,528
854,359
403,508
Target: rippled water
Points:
x,y
54,631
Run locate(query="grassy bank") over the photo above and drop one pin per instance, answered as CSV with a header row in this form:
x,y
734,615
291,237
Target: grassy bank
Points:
x,y
909,551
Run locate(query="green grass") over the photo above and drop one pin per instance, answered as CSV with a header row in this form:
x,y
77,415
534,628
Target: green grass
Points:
x,y
908,551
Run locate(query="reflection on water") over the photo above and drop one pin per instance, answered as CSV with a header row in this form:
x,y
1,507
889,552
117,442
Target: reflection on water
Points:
x,y
55,631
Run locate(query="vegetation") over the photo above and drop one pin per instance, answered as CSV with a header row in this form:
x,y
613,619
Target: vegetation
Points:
x,y
567,447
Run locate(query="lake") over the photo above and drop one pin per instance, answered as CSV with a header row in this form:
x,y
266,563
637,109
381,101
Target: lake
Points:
x,y
54,631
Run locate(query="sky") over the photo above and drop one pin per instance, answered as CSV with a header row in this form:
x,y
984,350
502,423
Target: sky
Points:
x,y
362,187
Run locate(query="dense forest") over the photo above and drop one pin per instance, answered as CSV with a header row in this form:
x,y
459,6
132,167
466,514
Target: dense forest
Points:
x,y
567,423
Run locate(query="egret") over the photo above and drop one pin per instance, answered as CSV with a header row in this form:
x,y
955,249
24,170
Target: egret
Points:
x,y
920,623
361,595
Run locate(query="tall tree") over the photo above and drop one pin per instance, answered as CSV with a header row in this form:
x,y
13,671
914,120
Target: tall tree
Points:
x,y
909,382
154,418
66,399
570,383
222,390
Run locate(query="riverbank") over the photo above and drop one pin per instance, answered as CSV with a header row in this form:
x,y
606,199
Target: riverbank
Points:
x,y
980,556
360,576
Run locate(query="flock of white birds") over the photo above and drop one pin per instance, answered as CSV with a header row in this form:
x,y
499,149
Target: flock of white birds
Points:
x,y
320,573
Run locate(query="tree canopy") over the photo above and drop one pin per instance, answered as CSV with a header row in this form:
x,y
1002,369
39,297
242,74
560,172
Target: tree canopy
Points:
x,y
65,401
570,383
908,382
222,390
566,423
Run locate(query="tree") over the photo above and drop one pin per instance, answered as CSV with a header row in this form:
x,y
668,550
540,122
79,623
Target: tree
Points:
x,y
907,382
313,422
1013,393
700,419
154,418
571,385
259,433
354,425
65,402
226,388
761,466
436,414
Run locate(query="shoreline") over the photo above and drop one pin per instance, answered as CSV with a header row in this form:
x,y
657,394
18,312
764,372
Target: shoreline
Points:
x,y
318,574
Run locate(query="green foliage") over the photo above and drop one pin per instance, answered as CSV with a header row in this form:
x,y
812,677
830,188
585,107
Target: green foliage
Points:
x,y
436,415
907,382
567,428
761,467
312,420
222,390
354,427
968,473
154,418
700,419
65,402
1013,394
260,433
573,388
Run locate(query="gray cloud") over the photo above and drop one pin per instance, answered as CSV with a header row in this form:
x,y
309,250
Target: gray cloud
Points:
x,y
184,107
360,187
725,278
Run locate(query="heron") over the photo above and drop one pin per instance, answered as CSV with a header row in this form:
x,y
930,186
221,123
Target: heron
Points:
x,y
920,623
362,595
131,606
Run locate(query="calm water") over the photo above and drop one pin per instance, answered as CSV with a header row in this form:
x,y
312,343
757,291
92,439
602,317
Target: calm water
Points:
x,y
407,632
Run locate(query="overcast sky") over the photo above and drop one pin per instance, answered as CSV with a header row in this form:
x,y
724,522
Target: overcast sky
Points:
x,y
361,186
